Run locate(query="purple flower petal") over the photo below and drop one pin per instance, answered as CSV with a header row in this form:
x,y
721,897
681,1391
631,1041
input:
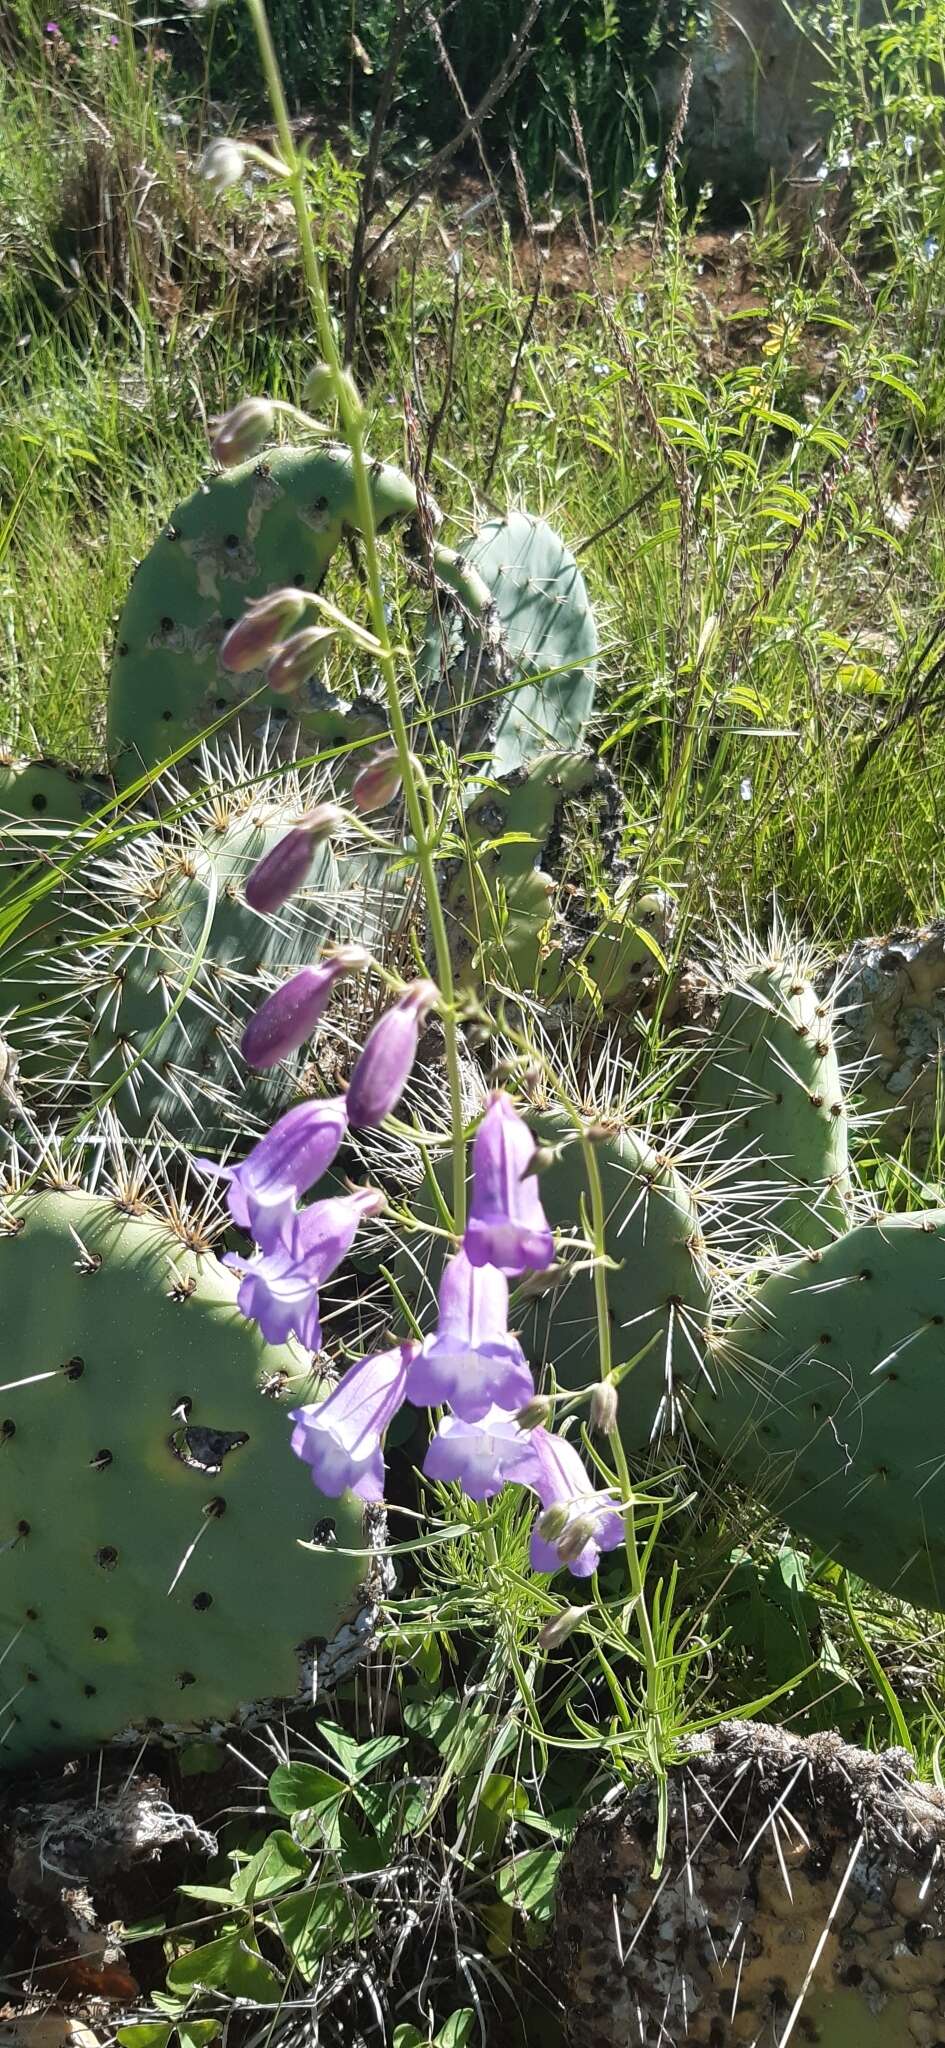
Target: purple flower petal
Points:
x,y
382,1069
288,1017
276,1293
473,1361
480,1456
320,1237
559,1478
293,1155
341,1438
285,867
507,1225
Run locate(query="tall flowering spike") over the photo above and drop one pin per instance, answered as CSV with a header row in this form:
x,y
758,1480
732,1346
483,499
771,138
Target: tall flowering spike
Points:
x,y
283,870
507,1225
578,1523
222,164
341,1439
264,1188
277,1293
250,642
378,783
382,1069
288,1017
473,1361
482,1455
297,658
242,431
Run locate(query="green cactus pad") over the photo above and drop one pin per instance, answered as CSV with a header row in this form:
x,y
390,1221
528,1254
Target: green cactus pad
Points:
x,y
44,793
498,898
142,1416
255,528
771,1087
41,803
829,1403
658,1287
521,678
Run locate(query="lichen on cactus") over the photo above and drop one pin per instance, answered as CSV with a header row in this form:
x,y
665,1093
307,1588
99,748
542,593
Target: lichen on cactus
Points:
x,y
153,1570
268,523
771,1092
826,1400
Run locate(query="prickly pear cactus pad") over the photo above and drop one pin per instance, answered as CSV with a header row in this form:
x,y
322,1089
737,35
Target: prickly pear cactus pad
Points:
x,y
151,1572
829,1401
499,898
255,528
658,1288
40,803
522,679
771,1084
47,793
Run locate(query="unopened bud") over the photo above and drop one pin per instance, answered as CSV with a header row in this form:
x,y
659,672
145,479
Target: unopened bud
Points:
x,y
252,639
283,870
377,783
571,1544
532,1284
535,1412
559,1627
597,1133
543,1156
297,658
222,164
323,384
604,1406
242,431
553,1523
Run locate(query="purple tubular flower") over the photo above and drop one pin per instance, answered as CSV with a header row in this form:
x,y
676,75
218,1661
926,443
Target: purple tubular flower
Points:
x,y
473,1361
283,870
559,1478
382,1069
341,1438
480,1455
250,642
377,783
279,1291
288,1017
507,1225
288,1161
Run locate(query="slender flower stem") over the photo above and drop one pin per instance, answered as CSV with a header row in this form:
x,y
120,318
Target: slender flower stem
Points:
x,y
352,421
615,1442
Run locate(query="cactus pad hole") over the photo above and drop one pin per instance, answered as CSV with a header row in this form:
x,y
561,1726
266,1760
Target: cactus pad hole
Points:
x,y
32,1614
100,1635
74,1368
101,1461
324,1531
107,1557
204,1450
215,1508
185,1678
22,1528
201,1601
39,801
7,1429
90,1691
867,1273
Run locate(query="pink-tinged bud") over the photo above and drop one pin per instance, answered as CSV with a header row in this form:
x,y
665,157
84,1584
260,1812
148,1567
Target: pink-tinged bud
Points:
x,y
252,639
222,164
378,783
288,1017
604,1408
297,658
535,1413
242,432
283,870
553,1523
560,1626
382,1069
578,1532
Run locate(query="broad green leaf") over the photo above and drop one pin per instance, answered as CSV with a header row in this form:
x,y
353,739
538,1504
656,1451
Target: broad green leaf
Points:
x,y
528,1881
457,2031
359,1759
150,2034
197,2033
232,1963
279,1863
409,2037
395,1811
312,1924
304,1788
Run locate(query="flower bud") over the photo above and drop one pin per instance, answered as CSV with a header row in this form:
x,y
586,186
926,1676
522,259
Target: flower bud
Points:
x,y
382,1069
288,1017
222,164
377,783
582,1530
560,1626
543,1156
553,1523
535,1412
252,639
318,388
604,1407
242,431
297,658
283,870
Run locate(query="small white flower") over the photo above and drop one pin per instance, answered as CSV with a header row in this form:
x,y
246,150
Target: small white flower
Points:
x,y
221,165
745,789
